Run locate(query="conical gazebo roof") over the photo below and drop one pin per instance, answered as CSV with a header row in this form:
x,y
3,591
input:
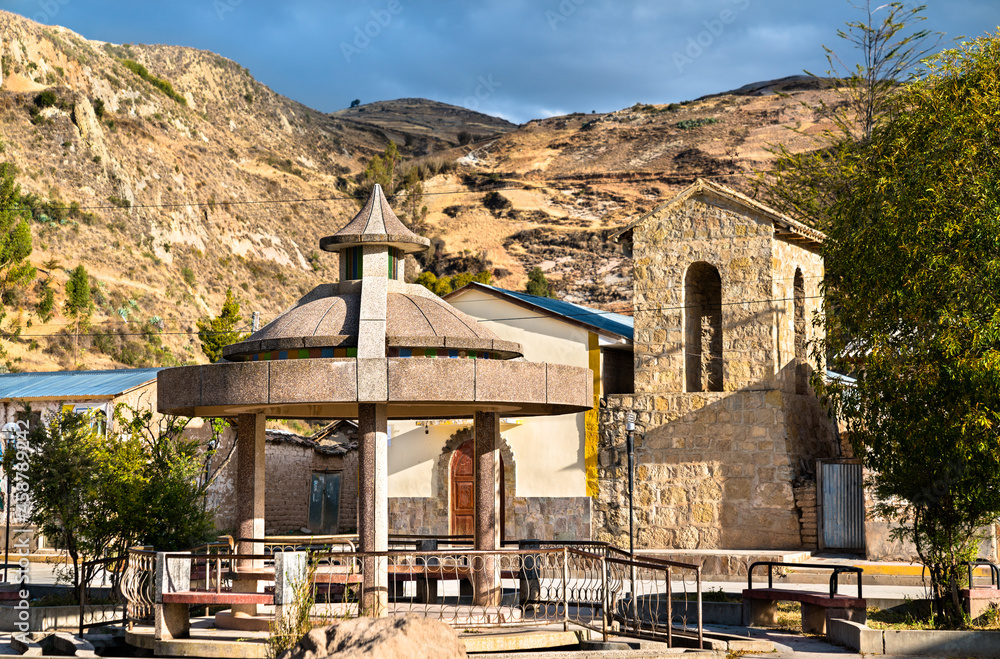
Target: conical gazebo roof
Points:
x,y
375,223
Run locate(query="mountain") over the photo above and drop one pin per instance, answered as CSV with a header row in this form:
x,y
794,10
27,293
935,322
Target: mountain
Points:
x,y
172,175
426,126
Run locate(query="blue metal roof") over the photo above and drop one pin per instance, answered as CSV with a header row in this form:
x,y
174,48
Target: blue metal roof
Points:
x,y
606,321
70,384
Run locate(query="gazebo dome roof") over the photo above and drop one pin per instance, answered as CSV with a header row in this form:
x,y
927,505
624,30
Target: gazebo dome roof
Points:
x,y
373,338
418,323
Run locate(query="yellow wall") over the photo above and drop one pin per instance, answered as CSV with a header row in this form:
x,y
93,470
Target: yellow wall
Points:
x,y
549,451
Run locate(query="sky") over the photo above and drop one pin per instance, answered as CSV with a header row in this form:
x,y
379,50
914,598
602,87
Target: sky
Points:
x,y
517,59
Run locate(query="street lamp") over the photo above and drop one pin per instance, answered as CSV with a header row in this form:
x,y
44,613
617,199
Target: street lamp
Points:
x,y
7,435
630,439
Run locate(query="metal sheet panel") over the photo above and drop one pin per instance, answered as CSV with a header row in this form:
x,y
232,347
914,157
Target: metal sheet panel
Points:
x,y
843,506
71,384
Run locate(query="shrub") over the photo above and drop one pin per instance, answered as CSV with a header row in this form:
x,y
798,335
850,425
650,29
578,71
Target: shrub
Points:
x,y
188,275
688,124
46,99
161,84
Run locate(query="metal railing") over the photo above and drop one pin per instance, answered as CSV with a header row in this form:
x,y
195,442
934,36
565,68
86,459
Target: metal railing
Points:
x,y
137,585
105,574
834,578
602,589
981,563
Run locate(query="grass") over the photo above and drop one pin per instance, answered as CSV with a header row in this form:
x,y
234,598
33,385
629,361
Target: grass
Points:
x,y
902,620
715,595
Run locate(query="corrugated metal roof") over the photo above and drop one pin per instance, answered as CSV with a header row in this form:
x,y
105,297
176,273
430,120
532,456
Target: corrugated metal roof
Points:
x,y
606,321
69,384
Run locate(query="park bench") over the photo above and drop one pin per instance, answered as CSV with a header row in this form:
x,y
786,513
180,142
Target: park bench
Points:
x,y
760,605
979,600
174,594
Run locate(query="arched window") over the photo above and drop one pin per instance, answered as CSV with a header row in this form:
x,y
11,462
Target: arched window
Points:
x,y
799,308
703,328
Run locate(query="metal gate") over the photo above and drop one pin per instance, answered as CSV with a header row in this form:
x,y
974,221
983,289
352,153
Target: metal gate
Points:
x,y
843,502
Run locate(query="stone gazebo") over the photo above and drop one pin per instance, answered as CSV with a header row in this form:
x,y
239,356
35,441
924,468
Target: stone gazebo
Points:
x,y
371,348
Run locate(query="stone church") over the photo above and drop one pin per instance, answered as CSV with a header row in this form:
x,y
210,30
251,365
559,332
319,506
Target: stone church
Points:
x,y
725,293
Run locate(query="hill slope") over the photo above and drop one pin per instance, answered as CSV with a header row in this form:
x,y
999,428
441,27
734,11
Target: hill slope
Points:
x,y
192,177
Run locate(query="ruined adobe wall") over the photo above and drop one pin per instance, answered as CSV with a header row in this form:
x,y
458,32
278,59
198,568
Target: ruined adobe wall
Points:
x,y
739,245
288,468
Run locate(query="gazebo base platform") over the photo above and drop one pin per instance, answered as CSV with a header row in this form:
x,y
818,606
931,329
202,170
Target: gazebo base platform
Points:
x,y
210,642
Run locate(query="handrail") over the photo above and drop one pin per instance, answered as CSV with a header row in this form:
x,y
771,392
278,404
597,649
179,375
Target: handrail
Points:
x,y
834,578
982,562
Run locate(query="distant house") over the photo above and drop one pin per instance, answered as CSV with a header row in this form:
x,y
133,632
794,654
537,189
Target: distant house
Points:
x,y
74,391
549,463
316,483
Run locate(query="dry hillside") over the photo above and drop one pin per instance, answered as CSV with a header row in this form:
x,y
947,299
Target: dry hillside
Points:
x,y
192,177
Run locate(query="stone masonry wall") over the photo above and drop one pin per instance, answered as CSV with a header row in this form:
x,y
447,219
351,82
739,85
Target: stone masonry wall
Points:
x,y
739,246
713,470
544,518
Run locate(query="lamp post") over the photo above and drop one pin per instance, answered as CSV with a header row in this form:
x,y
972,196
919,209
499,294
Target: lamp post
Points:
x,y
7,435
630,445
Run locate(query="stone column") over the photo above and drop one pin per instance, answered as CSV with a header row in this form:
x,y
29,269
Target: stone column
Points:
x,y
249,501
373,506
486,577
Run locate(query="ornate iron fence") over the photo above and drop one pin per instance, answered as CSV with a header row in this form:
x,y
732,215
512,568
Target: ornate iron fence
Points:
x,y
599,588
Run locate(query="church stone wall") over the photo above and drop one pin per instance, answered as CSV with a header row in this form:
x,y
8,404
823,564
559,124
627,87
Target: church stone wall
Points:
x,y
715,468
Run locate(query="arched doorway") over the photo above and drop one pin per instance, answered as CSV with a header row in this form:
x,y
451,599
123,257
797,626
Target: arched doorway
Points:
x,y
463,500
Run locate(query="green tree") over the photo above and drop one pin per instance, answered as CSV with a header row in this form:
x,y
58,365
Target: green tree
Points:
x,y
448,283
806,184
219,332
538,284
96,493
913,273
78,300
15,235
65,473
382,170
46,302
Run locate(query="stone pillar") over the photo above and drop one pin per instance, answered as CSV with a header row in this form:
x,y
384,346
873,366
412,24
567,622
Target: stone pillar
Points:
x,y
373,506
486,576
249,501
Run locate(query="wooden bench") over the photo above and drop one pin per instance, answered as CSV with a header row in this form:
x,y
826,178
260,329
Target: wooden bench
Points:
x,y
760,608
760,605
213,598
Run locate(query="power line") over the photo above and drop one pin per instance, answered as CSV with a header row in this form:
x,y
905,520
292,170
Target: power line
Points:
x,y
260,202
581,314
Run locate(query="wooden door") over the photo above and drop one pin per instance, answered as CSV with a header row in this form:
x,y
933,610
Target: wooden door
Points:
x,y
463,492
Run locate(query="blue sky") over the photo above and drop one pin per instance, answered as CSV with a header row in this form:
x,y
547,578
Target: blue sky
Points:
x,y
512,58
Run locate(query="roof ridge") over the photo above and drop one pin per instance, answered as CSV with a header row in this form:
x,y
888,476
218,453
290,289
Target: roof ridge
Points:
x,y
703,185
